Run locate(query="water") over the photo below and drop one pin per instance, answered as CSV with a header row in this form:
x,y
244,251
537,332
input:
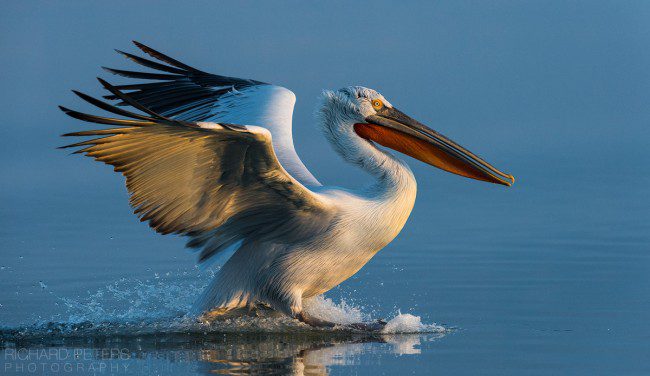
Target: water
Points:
x,y
551,276
543,282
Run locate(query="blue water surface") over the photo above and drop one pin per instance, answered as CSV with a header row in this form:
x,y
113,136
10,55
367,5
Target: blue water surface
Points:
x,y
550,276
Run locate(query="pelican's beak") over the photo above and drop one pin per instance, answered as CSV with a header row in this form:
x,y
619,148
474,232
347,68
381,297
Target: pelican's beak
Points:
x,y
394,129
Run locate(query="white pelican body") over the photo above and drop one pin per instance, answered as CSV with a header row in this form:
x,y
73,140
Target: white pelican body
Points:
x,y
212,158
283,275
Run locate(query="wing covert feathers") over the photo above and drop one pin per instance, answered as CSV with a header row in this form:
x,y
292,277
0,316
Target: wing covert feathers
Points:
x,y
218,186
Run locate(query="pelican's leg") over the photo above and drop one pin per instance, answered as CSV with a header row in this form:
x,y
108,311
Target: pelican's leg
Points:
x,y
374,326
314,321
211,315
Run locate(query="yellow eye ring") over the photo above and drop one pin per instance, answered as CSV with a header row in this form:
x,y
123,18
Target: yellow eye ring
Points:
x,y
377,104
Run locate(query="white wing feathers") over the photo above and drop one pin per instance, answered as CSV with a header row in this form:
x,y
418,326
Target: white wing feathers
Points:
x,y
185,93
218,186
271,107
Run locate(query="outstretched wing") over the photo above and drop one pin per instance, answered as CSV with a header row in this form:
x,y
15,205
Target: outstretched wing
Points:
x,y
218,185
185,93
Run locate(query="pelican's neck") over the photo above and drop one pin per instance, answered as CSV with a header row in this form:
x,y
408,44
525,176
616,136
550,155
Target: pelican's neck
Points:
x,y
378,211
393,176
394,179
385,205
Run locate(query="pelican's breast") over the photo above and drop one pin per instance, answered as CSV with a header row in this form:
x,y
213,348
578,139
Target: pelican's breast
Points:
x,y
365,226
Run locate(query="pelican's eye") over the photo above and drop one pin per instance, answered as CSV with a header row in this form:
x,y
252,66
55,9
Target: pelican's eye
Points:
x,y
377,104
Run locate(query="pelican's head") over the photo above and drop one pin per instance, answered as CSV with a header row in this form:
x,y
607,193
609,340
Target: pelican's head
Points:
x,y
356,113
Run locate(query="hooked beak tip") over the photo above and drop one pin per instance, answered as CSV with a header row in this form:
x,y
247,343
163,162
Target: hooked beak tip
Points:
x,y
507,183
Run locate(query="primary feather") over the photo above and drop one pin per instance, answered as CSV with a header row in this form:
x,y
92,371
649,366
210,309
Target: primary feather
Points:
x,y
193,95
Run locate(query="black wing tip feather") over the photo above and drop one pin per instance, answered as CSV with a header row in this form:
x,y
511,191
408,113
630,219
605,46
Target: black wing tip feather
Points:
x,y
134,119
104,120
129,100
152,64
140,120
178,70
143,75
189,70
164,58
135,104
86,97
111,108
105,84
140,45
74,114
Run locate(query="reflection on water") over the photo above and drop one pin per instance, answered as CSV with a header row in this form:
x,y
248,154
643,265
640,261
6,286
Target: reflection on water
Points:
x,y
137,326
308,353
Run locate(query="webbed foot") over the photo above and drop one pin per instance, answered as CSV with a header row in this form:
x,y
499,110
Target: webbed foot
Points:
x,y
314,321
374,326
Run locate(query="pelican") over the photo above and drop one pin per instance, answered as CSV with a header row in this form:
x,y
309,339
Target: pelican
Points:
x,y
212,158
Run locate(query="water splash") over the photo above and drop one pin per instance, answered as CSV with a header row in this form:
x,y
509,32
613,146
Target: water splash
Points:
x,y
132,300
407,323
341,313
158,306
